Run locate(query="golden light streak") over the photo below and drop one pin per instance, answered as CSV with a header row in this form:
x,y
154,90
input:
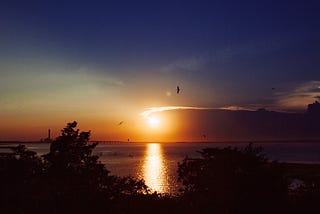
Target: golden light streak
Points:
x,y
154,170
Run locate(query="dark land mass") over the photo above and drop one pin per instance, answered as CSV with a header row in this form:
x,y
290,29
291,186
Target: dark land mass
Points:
x,y
302,170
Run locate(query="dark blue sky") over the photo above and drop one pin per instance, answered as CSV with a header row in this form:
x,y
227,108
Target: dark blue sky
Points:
x,y
221,53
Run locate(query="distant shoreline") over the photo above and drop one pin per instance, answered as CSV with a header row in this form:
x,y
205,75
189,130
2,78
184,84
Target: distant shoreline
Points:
x,y
181,142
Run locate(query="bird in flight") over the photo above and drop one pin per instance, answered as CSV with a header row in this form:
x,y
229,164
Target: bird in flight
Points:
x,y
178,89
120,123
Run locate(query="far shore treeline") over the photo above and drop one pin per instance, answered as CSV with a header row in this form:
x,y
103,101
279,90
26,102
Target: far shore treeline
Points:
x,y
70,179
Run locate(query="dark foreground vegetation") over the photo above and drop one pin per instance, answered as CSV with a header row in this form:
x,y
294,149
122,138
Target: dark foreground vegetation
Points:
x,y
70,179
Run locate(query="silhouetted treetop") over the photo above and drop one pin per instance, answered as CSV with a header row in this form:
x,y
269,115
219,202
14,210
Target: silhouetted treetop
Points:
x,y
69,179
72,148
314,108
227,179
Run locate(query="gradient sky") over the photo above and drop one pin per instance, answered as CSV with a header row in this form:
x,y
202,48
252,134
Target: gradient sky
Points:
x,y
103,62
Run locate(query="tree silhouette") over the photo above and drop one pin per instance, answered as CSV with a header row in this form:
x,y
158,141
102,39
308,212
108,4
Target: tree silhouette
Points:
x,y
229,180
314,108
72,152
69,178
74,172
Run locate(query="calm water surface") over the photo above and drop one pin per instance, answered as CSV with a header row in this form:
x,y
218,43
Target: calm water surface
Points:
x,y
157,163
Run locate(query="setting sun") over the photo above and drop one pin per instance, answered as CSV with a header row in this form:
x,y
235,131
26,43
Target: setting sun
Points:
x,y
153,122
157,124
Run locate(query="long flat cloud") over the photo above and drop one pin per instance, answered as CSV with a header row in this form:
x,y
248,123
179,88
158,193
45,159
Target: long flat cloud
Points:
x,y
151,110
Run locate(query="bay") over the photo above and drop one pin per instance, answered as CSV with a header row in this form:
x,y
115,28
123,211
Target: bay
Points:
x,y
157,163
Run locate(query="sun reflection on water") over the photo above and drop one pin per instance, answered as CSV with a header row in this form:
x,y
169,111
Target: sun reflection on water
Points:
x,y
154,169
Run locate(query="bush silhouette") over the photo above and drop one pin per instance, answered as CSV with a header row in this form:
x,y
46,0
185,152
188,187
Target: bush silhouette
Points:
x,y
67,179
21,171
229,180
74,172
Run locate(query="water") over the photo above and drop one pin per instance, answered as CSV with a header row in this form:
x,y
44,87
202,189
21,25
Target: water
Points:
x,y
157,163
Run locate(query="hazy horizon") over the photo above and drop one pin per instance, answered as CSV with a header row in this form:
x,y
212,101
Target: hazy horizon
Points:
x,y
215,125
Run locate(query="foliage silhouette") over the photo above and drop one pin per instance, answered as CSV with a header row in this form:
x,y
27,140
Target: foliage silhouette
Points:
x,y
20,173
71,157
67,179
314,109
304,196
229,180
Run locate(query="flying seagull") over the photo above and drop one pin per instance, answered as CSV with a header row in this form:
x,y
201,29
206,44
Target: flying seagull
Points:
x,y
178,89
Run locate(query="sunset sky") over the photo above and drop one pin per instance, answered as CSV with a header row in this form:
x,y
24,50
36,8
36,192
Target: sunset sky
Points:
x,y
113,66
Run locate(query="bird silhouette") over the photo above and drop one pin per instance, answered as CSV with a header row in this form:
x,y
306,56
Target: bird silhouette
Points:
x,y
120,123
178,89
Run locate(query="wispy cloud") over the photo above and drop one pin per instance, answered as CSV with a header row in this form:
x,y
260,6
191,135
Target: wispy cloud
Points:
x,y
152,110
238,108
298,96
149,111
226,54
294,98
185,65
99,77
